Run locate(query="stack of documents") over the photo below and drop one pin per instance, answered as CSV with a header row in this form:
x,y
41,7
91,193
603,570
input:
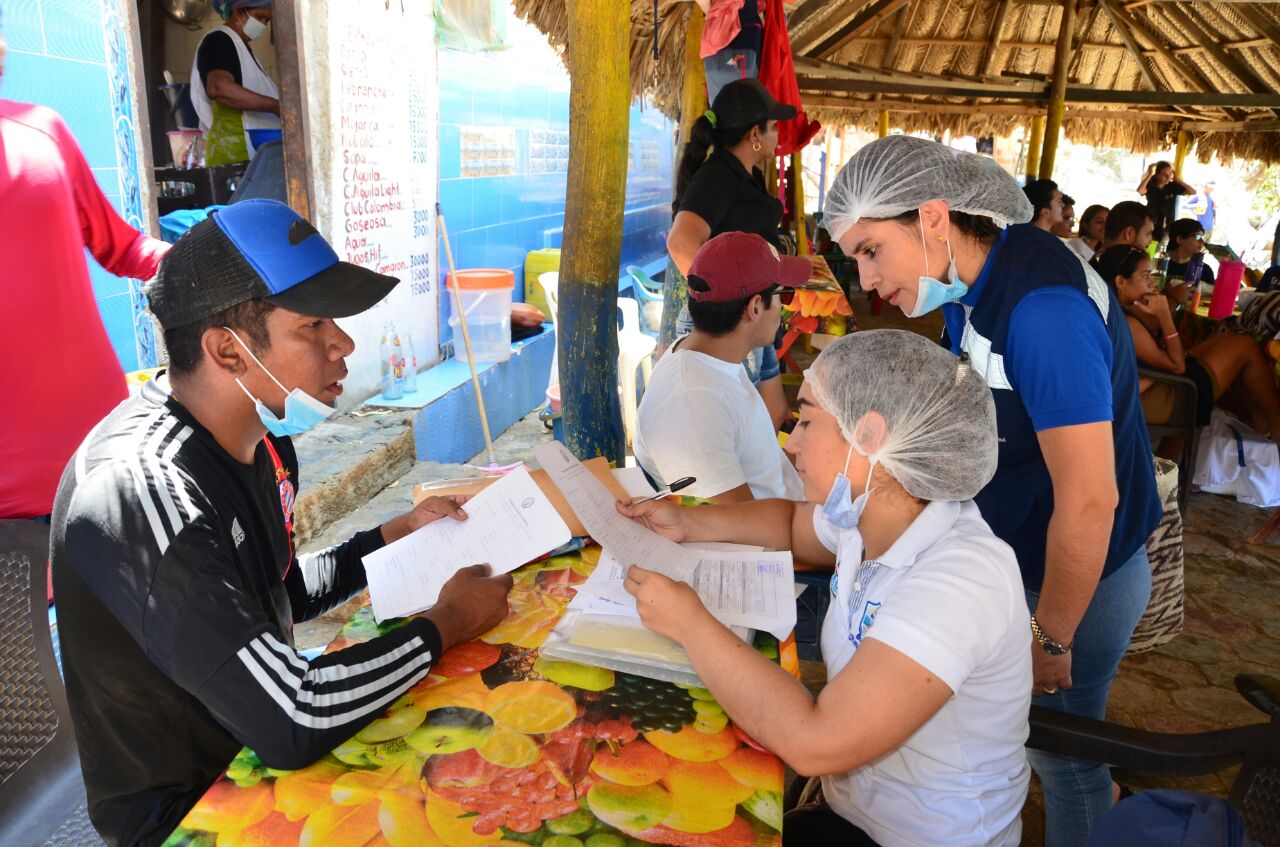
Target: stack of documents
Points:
x,y
513,521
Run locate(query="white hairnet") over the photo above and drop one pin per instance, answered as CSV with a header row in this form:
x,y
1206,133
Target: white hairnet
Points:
x,y
898,173
940,440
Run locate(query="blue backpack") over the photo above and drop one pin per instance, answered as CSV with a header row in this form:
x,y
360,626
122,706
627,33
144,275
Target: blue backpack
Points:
x,y
1169,818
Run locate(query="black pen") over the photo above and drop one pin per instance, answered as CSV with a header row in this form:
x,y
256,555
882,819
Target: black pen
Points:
x,y
683,482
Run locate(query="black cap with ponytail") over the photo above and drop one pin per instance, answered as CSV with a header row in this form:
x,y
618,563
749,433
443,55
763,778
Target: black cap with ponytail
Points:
x,y
703,136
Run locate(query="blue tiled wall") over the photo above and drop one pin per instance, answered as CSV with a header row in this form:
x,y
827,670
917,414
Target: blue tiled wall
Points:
x,y
494,221
58,57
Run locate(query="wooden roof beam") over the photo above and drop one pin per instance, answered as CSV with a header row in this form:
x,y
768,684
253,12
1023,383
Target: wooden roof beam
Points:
x,y
803,13
1000,109
1130,44
1230,63
1074,94
1232,126
871,15
993,39
899,28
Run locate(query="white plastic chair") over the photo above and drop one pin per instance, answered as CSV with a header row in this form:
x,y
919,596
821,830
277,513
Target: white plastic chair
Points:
x,y
635,348
550,282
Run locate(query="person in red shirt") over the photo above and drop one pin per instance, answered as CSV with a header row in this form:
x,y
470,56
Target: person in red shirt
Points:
x,y
61,375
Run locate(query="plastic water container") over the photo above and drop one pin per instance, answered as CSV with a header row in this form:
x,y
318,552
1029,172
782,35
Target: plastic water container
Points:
x,y
1225,289
486,301
537,263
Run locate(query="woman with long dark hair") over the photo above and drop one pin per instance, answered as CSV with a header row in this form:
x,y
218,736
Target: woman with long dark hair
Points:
x,y
720,188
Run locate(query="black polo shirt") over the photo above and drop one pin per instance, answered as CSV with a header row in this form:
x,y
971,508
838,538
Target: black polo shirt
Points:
x,y
730,199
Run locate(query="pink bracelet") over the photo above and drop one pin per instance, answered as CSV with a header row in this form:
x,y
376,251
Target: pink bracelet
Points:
x,y
1172,336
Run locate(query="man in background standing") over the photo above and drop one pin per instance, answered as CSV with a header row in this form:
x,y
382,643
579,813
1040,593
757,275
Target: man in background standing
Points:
x,y
1205,208
63,375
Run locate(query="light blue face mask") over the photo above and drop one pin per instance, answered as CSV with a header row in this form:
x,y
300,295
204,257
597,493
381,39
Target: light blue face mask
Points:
x,y
838,509
301,410
934,293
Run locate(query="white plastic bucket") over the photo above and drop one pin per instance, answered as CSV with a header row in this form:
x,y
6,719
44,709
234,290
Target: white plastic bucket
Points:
x,y
486,301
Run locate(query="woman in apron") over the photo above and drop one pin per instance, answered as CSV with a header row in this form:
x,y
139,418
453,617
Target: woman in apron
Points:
x,y
918,735
231,92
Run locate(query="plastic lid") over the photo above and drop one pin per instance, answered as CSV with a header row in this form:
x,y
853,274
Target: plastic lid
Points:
x,y
483,278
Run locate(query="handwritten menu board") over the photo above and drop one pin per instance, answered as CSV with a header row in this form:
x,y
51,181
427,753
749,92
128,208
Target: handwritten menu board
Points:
x,y
382,141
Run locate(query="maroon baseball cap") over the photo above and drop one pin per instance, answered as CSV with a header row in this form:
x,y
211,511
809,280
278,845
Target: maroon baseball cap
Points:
x,y
736,265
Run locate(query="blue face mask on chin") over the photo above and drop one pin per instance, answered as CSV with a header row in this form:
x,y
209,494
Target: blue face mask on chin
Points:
x,y
934,293
301,410
838,509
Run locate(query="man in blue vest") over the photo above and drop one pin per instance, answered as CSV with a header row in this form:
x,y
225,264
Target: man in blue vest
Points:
x,y
1074,494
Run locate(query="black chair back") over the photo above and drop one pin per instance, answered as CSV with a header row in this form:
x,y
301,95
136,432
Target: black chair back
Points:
x,y
42,797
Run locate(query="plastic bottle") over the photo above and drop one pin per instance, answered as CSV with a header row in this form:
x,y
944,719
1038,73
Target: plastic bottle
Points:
x,y
410,366
1161,272
1195,265
392,389
398,368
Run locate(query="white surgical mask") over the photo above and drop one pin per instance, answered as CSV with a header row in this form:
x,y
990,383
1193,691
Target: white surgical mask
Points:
x,y
934,293
301,410
254,28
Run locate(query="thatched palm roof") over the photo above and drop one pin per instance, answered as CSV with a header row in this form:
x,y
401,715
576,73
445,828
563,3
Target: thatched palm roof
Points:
x,y
1139,70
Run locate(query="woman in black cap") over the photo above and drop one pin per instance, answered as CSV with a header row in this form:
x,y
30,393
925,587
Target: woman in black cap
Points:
x,y
725,192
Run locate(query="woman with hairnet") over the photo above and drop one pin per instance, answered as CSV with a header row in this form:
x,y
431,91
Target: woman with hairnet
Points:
x,y
1074,493
230,91
918,735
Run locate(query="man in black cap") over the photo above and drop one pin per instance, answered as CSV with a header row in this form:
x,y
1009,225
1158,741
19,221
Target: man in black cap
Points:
x,y
173,563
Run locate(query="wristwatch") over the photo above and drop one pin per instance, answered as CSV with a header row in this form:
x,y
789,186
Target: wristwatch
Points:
x,y
1047,644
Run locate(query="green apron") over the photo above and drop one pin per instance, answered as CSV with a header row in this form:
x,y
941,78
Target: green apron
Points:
x,y
224,143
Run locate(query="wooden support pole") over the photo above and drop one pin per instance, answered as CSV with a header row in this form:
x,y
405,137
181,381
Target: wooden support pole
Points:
x,y
693,103
1180,155
291,71
797,192
1058,90
599,98
1033,147
882,124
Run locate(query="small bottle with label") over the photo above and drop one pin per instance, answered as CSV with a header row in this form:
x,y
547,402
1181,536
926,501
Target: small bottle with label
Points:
x,y
410,366
398,366
392,389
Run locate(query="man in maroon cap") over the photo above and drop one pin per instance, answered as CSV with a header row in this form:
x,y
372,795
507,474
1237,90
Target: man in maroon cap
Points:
x,y
700,415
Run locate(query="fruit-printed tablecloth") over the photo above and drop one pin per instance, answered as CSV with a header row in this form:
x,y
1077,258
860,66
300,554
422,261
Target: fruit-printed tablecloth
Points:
x,y
500,747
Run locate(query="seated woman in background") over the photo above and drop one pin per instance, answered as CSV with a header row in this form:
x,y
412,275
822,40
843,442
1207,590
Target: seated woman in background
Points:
x,y
918,735
1225,362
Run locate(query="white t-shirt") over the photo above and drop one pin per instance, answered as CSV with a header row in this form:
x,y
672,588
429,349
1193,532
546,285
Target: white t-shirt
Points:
x,y
948,595
702,417
1083,250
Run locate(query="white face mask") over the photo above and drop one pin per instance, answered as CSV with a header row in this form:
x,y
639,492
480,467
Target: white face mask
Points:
x,y
934,293
253,28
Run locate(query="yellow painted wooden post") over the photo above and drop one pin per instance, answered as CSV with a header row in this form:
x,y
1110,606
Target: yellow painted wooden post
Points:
x,y
1058,89
883,125
599,100
1033,147
693,103
1180,156
797,182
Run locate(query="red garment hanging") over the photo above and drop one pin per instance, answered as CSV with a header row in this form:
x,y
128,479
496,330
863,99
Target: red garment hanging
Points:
x,y
778,73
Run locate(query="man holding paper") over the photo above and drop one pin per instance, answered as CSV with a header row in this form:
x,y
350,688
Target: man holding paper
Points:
x,y
173,564
918,735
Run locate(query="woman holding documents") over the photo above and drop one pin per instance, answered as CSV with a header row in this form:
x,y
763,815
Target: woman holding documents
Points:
x,y
918,735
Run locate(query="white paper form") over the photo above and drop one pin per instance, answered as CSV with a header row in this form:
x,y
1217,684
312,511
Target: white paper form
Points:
x,y
594,505
755,590
509,523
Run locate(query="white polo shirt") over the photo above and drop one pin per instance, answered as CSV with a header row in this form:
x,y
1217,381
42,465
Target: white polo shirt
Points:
x,y
947,594
702,417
